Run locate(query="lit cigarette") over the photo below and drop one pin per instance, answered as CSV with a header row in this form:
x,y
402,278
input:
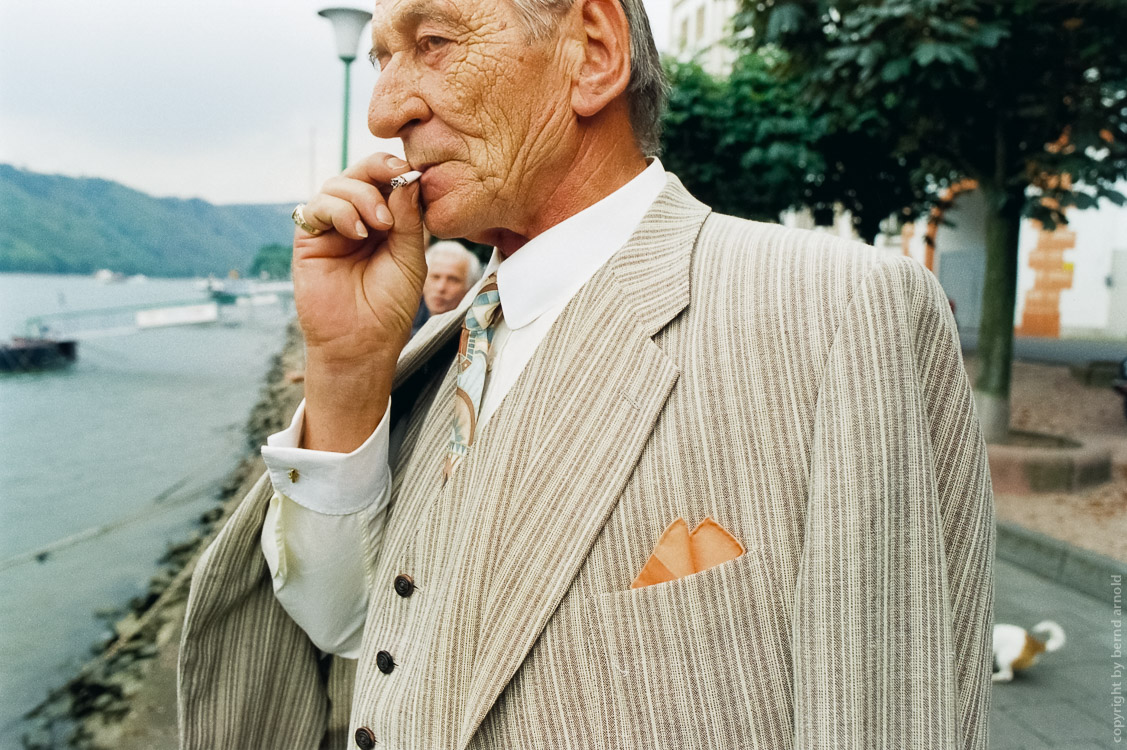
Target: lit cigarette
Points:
x,y
405,179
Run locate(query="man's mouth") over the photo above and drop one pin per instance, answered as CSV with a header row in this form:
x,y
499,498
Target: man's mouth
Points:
x,y
426,182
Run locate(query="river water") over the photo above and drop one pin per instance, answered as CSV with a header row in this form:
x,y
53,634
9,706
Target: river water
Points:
x,y
102,464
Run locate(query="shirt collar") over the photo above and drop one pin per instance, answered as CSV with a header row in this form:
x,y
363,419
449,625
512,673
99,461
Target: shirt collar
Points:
x,y
548,270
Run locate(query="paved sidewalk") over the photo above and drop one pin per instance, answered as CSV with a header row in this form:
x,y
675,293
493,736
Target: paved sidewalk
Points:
x,y
1067,351
1068,699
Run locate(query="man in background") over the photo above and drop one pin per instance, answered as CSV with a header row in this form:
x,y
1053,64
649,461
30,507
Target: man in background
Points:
x,y
451,271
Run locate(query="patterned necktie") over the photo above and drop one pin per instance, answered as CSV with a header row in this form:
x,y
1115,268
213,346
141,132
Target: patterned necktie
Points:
x,y
473,353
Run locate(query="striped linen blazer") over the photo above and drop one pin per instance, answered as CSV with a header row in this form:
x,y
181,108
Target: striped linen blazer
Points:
x,y
805,392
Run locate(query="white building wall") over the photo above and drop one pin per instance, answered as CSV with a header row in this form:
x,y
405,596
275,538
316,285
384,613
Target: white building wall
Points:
x,y
699,29
1086,307
1096,303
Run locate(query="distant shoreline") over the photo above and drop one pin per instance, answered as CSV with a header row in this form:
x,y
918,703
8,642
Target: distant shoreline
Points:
x,y
84,275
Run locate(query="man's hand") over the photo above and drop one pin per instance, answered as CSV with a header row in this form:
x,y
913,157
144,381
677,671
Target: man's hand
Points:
x,y
356,288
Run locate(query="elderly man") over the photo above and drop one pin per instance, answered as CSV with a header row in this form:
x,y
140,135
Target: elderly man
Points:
x,y
451,271
666,479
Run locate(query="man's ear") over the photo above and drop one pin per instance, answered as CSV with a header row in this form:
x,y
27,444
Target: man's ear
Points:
x,y
605,71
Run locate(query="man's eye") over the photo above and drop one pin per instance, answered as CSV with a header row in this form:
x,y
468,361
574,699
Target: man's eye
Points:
x,y
432,43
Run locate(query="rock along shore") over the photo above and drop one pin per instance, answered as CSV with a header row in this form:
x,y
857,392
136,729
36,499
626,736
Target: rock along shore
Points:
x,y
125,697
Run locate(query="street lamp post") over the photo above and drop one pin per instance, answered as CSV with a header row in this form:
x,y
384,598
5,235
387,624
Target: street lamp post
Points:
x,y
347,25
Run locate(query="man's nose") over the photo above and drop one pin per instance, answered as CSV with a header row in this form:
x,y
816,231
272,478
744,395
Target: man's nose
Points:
x,y
396,101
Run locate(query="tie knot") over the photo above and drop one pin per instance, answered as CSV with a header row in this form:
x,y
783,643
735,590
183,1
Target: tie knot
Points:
x,y
486,306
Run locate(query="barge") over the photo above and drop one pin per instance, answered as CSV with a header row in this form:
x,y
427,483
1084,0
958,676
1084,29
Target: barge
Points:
x,y
23,354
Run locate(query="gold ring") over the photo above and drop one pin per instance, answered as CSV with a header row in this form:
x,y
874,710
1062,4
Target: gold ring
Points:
x,y
299,219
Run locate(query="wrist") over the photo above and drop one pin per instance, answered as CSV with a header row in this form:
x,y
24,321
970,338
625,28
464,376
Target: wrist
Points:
x,y
344,402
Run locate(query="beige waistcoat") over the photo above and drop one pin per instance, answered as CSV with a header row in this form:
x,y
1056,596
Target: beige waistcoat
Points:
x,y
806,393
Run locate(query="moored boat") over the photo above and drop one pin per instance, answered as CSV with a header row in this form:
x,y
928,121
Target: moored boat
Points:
x,y
24,354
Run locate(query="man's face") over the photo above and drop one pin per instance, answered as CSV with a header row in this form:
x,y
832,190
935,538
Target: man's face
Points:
x,y
445,284
481,109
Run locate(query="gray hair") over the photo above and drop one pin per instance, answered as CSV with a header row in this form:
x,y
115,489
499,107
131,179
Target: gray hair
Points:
x,y
452,249
647,91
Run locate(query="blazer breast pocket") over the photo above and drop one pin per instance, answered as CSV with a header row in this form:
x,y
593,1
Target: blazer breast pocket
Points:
x,y
701,661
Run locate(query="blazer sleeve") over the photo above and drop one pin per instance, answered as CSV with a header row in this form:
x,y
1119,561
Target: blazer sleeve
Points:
x,y
248,676
893,608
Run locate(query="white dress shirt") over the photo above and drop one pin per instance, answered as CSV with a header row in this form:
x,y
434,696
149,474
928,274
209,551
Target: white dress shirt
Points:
x,y
316,535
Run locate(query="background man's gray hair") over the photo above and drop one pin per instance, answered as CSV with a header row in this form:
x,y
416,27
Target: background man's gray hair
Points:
x,y
647,90
452,249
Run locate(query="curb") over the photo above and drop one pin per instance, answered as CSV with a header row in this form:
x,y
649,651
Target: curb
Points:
x,y
1078,569
1020,470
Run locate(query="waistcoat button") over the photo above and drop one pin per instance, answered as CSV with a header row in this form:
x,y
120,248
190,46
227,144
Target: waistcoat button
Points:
x,y
404,586
364,739
384,662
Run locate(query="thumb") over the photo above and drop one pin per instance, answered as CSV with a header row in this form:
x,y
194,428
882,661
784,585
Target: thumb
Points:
x,y
405,237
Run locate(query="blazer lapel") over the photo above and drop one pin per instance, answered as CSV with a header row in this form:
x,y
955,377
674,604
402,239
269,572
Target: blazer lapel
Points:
x,y
552,462
428,341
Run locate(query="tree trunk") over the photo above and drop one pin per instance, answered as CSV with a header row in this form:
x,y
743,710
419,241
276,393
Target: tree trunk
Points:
x,y
996,330
868,227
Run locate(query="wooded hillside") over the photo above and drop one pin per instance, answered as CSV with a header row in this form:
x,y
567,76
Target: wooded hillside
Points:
x,y
56,224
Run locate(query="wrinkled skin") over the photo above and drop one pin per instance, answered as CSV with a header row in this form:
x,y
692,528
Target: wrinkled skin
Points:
x,y
483,111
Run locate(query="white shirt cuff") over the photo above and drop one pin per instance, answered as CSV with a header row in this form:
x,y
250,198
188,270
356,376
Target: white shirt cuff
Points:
x,y
333,484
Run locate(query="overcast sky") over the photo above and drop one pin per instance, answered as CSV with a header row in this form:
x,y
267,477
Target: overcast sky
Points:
x,y
233,101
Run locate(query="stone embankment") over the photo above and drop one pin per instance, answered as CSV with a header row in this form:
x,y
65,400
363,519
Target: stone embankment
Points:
x,y
125,697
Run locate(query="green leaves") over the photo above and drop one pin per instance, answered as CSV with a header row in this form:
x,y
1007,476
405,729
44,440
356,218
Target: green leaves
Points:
x,y
948,54
896,69
971,88
744,144
272,260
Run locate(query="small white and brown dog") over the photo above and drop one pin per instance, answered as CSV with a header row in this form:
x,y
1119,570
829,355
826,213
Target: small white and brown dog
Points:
x,y
1017,648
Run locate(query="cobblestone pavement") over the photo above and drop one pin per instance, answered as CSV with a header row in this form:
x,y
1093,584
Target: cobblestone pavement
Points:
x,y
1068,700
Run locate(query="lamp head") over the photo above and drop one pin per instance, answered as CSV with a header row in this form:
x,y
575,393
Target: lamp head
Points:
x,y
347,23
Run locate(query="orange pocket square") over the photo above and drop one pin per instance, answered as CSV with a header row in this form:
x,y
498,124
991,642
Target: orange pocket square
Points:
x,y
680,552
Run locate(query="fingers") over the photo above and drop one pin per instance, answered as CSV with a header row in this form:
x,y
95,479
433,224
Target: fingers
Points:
x,y
330,212
367,199
377,169
404,207
353,201
405,237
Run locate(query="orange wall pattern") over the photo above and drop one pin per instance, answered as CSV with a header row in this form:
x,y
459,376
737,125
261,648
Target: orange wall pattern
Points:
x,y
1040,314
1041,310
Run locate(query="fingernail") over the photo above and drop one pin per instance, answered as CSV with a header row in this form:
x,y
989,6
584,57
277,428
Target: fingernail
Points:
x,y
383,214
395,162
361,229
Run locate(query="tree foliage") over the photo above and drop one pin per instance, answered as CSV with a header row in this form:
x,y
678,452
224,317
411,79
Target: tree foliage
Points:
x,y
1027,97
742,144
273,260
1013,94
752,144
